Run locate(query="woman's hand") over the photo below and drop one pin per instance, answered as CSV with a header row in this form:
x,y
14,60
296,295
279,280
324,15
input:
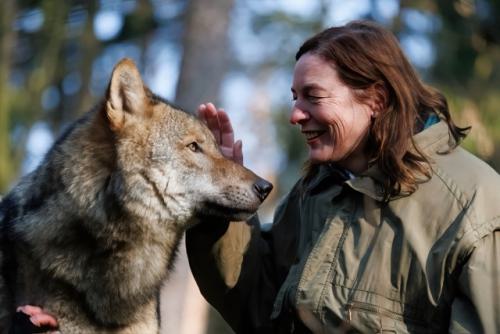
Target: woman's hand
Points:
x,y
34,320
218,122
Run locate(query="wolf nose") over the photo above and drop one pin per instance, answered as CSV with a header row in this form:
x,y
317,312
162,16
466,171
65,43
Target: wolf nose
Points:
x,y
262,188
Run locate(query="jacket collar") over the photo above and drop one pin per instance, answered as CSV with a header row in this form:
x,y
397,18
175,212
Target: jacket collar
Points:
x,y
327,175
430,141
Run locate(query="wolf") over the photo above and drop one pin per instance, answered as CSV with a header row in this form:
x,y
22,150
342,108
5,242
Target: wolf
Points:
x,y
91,234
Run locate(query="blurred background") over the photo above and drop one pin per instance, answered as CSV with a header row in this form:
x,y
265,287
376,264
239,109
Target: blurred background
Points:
x,y
56,58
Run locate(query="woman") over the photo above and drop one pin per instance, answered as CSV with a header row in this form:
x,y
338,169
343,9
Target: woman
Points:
x,y
393,227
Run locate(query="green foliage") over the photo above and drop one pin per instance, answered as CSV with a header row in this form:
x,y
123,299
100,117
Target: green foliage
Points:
x,y
465,38
52,44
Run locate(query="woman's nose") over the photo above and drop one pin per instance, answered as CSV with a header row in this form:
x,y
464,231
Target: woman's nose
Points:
x,y
298,115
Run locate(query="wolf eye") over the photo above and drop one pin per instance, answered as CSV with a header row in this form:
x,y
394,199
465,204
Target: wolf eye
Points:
x,y
194,147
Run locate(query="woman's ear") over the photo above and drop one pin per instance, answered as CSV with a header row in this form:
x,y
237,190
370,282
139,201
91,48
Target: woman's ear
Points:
x,y
378,97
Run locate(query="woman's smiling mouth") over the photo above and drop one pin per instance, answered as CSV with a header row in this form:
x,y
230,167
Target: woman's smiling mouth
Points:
x,y
311,135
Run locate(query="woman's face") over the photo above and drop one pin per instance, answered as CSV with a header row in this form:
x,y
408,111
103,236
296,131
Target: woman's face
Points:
x,y
333,123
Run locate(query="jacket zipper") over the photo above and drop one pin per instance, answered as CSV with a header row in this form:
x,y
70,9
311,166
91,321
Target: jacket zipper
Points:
x,y
349,316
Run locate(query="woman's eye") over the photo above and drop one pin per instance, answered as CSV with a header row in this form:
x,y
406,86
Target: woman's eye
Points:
x,y
194,147
313,98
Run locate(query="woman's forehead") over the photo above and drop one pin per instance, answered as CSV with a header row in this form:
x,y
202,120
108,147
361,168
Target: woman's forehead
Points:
x,y
313,72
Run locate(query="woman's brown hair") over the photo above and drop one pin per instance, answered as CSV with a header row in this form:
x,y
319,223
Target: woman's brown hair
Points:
x,y
369,60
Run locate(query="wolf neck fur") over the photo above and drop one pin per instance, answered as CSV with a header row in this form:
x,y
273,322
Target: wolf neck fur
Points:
x,y
102,216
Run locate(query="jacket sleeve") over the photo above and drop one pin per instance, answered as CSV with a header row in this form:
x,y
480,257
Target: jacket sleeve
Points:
x,y
476,309
239,268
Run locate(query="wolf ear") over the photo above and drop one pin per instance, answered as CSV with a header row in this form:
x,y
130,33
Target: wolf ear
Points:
x,y
126,93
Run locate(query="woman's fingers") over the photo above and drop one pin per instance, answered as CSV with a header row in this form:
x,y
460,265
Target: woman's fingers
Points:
x,y
37,316
220,125
43,319
212,118
238,152
226,129
201,113
29,310
218,122
208,115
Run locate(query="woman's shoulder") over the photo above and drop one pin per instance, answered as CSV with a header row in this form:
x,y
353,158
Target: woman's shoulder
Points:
x,y
452,163
469,184
466,171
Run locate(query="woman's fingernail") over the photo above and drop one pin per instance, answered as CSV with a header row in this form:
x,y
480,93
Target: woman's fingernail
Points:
x,y
34,321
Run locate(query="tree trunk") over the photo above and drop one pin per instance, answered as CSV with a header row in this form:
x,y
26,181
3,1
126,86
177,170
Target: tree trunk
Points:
x,y
49,61
7,38
90,49
205,54
203,67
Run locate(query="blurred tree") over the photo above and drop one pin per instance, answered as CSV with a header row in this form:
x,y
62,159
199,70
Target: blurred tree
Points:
x,y
203,66
89,48
35,57
466,40
204,58
7,36
49,60
467,68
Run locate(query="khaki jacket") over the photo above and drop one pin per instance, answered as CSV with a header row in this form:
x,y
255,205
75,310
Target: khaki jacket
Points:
x,y
339,257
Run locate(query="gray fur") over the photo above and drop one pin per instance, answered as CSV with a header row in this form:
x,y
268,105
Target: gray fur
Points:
x,y
91,233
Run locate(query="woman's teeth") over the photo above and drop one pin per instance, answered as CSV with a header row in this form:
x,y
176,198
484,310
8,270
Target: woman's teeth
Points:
x,y
310,135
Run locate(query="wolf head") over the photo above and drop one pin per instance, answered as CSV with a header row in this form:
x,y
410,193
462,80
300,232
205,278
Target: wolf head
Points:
x,y
169,163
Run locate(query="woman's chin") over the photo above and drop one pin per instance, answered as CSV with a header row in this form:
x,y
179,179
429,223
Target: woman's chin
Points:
x,y
319,158
321,153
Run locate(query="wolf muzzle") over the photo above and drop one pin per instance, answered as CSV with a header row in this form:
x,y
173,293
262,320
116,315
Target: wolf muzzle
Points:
x,y
262,188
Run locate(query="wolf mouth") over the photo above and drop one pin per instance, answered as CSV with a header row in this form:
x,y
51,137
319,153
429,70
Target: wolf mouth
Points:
x,y
213,209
